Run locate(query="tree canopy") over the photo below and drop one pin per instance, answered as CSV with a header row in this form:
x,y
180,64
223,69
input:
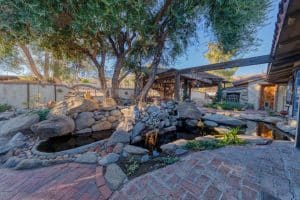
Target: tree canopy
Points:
x,y
125,33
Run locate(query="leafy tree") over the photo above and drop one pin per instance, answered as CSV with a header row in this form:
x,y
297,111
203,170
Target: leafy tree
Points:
x,y
216,54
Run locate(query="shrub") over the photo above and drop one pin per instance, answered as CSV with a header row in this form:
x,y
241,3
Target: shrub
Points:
x,y
169,160
232,137
203,145
132,167
84,80
43,113
4,107
225,106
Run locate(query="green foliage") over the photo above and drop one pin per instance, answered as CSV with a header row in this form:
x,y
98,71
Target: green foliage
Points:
x,y
84,80
4,107
231,137
203,144
43,113
169,160
132,167
226,106
218,97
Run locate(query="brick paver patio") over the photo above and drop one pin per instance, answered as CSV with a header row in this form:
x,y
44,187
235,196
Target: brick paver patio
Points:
x,y
240,172
257,172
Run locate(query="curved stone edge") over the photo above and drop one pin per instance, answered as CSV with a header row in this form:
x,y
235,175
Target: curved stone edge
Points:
x,y
73,151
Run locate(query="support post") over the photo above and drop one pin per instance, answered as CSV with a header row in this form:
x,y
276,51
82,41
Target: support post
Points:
x,y
297,138
185,89
177,86
28,96
55,95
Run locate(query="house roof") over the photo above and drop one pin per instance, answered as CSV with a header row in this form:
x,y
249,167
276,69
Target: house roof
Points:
x,y
286,42
248,79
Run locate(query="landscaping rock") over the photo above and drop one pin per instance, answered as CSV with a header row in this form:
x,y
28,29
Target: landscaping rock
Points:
x,y
118,148
108,159
271,120
221,129
131,149
115,113
168,129
125,125
188,110
155,153
180,151
191,122
136,139
145,158
101,126
84,120
153,109
210,123
12,162
88,157
119,137
225,120
138,128
285,127
74,105
28,164
112,119
168,148
4,149
114,176
55,126
83,131
17,140
6,115
18,124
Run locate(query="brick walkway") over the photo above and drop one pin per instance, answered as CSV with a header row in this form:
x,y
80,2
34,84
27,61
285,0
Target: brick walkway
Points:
x,y
246,172
257,172
66,181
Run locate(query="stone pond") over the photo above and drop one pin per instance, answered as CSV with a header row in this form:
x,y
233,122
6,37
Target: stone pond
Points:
x,y
83,131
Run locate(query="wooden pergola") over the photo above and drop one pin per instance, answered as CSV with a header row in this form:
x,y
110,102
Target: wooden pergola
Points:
x,y
168,84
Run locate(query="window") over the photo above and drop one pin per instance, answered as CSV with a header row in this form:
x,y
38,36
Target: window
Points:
x,y
233,97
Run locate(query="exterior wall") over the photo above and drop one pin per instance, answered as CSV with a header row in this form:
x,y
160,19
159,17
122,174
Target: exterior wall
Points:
x,y
254,90
18,94
242,90
200,97
281,98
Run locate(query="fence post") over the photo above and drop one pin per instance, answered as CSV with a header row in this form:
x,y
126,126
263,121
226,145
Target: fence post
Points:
x,y
28,96
55,95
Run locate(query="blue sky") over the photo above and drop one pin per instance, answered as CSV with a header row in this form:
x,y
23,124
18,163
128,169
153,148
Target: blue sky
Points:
x,y
195,54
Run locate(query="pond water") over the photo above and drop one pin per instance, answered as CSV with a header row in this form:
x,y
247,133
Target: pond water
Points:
x,y
66,142
265,130
154,142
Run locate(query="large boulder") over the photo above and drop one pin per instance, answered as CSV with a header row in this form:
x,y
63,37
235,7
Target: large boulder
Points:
x,y
101,126
131,149
18,124
138,128
224,120
84,120
6,115
109,159
120,137
88,157
74,105
54,126
187,110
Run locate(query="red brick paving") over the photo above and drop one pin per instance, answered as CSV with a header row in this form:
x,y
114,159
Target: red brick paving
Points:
x,y
241,172
65,181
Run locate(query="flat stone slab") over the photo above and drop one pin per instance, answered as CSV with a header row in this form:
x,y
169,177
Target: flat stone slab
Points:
x,y
224,120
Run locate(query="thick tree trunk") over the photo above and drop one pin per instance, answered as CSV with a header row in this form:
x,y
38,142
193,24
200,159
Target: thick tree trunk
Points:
x,y
151,79
46,67
115,79
31,62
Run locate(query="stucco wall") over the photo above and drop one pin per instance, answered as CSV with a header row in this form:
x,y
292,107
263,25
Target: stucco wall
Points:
x,y
254,94
281,98
16,94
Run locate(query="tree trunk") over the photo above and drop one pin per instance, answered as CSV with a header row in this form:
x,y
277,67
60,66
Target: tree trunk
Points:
x,y
101,72
154,66
115,79
46,67
31,62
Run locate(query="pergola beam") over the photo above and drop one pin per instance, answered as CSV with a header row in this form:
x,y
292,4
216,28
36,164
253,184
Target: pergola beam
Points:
x,y
230,64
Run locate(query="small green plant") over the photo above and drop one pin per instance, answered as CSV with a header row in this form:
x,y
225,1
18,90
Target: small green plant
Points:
x,y
132,167
4,107
84,80
203,144
226,106
43,113
170,160
231,137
